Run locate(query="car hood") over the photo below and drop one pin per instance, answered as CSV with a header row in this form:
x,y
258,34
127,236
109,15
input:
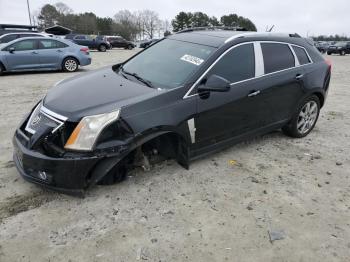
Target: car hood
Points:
x,y
96,92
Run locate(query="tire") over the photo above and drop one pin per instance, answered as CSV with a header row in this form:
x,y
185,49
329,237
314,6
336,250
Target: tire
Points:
x,y
342,52
329,53
304,118
129,47
70,64
102,48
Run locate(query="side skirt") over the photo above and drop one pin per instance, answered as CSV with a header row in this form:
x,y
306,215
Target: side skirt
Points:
x,y
213,148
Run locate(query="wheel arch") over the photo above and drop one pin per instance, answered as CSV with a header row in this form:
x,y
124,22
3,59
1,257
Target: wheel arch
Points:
x,y
166,139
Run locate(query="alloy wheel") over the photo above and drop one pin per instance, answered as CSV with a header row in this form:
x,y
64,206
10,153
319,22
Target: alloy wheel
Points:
x,y
307,117
71,65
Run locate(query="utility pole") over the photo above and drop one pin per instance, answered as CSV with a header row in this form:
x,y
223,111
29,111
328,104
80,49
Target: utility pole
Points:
x,y
30,18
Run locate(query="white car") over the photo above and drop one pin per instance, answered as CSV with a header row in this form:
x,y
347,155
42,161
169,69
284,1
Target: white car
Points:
x,y
12,36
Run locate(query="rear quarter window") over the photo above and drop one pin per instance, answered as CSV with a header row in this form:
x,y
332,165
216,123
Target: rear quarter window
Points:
x,y
277,57
301,55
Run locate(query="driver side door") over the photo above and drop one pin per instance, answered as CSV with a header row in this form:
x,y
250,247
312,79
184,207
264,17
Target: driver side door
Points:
x,y
25,55
225,115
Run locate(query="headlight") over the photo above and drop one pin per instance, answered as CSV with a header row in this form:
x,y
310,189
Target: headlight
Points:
x,y
87,131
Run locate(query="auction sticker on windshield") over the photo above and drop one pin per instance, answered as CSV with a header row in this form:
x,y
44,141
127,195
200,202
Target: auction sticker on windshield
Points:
x,y
192,59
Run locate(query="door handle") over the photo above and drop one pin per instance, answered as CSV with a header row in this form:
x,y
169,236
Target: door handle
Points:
x,y
254,93
299,77
59,51
35,53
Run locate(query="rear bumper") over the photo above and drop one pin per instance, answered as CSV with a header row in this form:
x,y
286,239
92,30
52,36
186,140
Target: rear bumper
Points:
x,y
66,175
84,61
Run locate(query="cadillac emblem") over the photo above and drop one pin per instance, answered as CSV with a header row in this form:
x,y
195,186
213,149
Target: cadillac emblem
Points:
x,y
36,120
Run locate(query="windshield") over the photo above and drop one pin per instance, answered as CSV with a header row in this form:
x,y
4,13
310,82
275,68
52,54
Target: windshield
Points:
x,y
340,44
168,63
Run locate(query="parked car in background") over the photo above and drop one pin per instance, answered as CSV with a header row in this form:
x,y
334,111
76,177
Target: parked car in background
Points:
x,y
99,44
11,28
5,38
104,39
42,53
322,46
341,48
190,94
148,43
120,42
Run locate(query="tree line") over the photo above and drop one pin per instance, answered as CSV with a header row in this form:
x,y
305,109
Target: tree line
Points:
x,y
132,25
335,38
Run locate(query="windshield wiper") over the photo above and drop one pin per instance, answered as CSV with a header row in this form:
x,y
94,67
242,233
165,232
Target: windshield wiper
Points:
x,y
139,78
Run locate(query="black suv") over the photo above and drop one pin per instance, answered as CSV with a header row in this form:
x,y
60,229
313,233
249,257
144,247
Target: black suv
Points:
x,y
99,43
190,94
118,41
341,48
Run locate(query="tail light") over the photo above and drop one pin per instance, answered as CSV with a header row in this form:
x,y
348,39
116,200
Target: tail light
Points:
x,y
85,50
329,63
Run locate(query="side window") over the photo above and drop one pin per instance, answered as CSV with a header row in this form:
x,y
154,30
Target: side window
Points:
x,y
24,45
50,44
237,65
301,55
80,37
8,38
277,57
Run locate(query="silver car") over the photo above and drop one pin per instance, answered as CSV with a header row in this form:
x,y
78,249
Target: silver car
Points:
x,y
42,53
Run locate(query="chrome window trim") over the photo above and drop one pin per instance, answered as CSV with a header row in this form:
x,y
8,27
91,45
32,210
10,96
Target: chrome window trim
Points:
x,y
259,59
211,66
307,53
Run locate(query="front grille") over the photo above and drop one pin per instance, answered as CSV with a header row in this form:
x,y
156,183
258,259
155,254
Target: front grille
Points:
x,y
40,119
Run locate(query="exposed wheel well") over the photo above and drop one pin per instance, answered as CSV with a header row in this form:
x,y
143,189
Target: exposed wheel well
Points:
x,y
160,148
320,97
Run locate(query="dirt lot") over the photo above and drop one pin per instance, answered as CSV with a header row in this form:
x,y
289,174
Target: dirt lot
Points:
x,y
223,209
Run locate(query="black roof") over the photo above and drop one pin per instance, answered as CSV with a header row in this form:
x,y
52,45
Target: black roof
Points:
x,y
217,37
214,38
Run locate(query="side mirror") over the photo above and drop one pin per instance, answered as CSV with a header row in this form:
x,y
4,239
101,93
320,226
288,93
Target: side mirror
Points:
x,y
215,83
11,50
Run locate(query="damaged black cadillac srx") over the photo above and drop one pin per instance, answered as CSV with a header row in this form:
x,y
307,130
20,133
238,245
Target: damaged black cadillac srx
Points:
x,y
190,94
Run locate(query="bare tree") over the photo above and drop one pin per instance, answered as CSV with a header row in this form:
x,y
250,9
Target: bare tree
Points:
x,y
150,21
63,9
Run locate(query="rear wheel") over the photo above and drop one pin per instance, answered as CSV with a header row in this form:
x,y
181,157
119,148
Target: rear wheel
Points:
x,y
342,52
304,119
129,47
70,64
329,53
102,48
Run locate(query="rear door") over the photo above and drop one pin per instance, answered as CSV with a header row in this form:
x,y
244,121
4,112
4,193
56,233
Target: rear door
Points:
x,y
51,53
25,56
282,81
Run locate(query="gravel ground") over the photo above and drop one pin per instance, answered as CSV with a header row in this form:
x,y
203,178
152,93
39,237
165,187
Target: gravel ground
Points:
x,y
272,198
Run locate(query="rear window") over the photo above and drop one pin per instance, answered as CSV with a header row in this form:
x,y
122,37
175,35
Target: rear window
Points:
x,y
8,38
277,57
301,55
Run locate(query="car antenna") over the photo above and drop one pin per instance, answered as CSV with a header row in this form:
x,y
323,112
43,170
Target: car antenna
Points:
x,y
270,30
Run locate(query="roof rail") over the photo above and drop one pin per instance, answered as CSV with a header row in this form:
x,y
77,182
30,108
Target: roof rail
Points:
x,y
228,28
257,34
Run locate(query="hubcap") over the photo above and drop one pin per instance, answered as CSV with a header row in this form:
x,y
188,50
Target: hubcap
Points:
x,y
307,117
70,65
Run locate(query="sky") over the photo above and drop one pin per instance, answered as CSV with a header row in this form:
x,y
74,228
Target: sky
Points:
x,y
306,17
